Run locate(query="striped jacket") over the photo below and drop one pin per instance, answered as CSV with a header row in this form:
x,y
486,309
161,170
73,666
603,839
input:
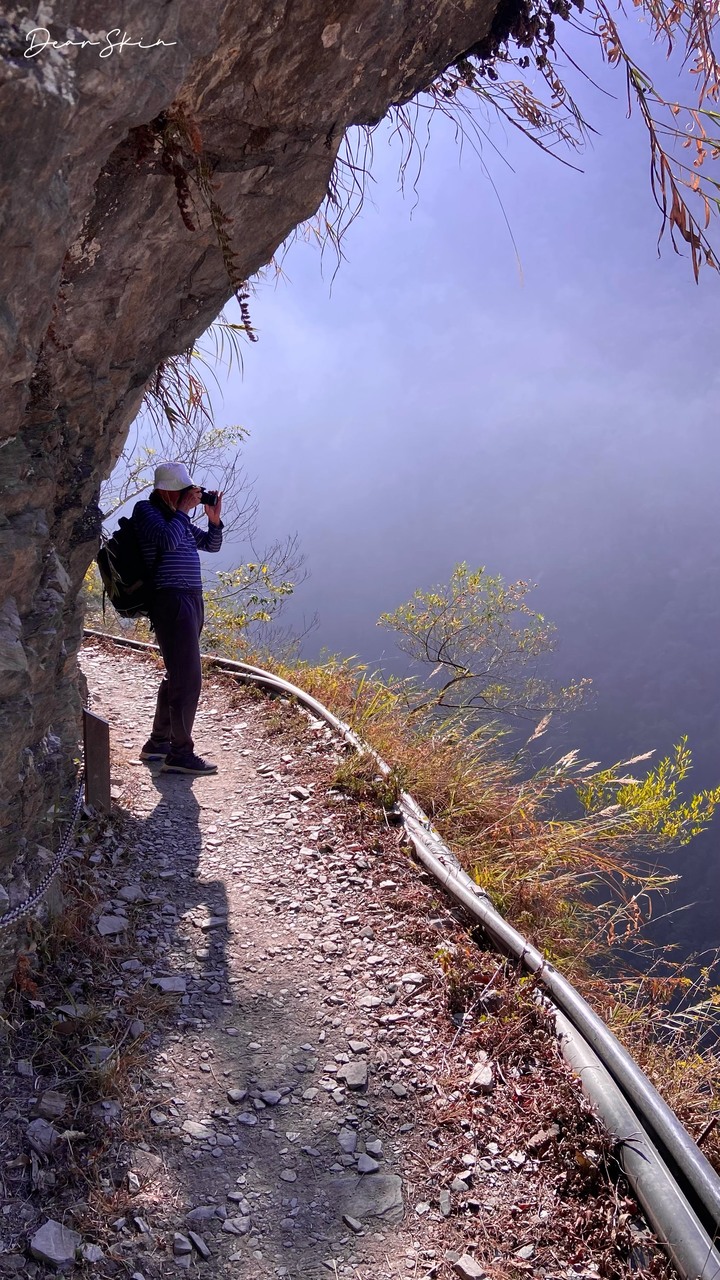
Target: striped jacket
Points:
x,y
170,545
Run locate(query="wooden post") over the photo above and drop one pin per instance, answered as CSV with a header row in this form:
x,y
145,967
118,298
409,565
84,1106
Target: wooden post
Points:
x,y
96,735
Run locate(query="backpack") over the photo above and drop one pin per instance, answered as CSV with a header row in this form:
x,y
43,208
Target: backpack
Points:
x,y
127,581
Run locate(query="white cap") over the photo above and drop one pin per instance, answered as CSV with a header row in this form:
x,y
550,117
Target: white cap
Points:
x,y
173,476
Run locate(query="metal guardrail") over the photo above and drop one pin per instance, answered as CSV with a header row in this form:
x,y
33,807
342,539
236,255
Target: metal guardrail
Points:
x,y
676,1185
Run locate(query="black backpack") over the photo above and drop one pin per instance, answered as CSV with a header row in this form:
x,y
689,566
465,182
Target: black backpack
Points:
x,y
127,581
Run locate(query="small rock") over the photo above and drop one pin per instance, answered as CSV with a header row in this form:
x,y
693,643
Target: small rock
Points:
x,y
108,1110
181,1245
170,986
422,1208
376,1197
300,793
131,893
459,1185
203,1213
359,1046
526,1252
347,1139
158,1117
445,1203
92,1253
51,1105
136,1028
288,1175
374,1147
43,1138
355,1075
467,1268
238,1226
352,1223
541,1140
197,1130
55,1244
97,1054
237,1095
271,1097
366,1164
481,1077
247,1117
199,1244
146,1163
23,1067
416,979
399,1090
108,926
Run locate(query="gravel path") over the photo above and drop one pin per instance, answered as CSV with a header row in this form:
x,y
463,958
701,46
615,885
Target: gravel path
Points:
x,y
259,1042
282,1115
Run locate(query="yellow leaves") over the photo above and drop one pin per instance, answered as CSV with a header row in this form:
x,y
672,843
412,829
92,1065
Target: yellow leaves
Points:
x,y
651,805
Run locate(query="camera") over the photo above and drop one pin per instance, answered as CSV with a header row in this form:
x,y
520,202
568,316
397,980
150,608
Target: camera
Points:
x,y
208,497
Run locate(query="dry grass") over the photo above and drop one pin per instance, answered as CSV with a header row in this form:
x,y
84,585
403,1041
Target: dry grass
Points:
x,y
574,887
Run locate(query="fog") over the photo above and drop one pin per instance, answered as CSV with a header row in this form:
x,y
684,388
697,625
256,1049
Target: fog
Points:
x,y
555,421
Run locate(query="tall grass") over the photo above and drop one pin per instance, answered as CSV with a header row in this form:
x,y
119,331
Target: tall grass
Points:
x,y
580,887
577,883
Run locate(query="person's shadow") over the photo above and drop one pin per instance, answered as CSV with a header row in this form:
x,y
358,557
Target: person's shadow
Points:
x,y
172,842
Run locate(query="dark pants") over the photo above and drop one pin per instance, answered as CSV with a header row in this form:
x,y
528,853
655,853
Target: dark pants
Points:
x,y
177,617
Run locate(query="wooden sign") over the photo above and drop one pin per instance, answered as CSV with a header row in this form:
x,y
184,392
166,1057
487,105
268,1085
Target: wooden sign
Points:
x,y
96,735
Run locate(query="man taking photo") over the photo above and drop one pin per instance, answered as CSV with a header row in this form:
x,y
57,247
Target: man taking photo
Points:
x,y
170,543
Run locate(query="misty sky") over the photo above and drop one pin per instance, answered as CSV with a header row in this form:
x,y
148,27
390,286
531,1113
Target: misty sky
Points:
x,y
556,422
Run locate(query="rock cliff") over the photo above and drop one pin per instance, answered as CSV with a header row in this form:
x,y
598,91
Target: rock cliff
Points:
x,y
103,277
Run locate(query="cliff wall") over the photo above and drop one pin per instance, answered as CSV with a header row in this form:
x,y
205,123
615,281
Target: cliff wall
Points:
x,y
102,277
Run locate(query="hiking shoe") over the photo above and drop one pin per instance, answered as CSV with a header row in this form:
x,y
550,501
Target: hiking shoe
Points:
x,y
187,764
155,751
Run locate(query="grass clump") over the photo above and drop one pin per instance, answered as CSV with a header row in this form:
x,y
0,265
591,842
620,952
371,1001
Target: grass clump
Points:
x,y
563,854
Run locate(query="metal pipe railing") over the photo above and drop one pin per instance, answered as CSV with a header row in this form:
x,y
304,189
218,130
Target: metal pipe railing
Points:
x,y
691,1247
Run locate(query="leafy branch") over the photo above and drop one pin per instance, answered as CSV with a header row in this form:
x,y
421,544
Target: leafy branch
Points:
x,y
483,642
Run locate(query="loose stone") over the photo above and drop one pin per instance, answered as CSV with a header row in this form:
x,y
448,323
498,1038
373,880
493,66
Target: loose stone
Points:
x,y
108,926
347,1139
468,1269
202,1214
55,1244
355,1075
199,1244
481,1077
92,1253
51,1105
43,1138
237,1095
170,986
196,1130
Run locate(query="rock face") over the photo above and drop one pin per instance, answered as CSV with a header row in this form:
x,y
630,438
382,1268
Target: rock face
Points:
x,y
102,279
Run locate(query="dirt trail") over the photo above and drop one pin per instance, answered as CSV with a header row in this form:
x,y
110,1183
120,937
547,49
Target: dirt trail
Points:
x,y
263,1044
278,1086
